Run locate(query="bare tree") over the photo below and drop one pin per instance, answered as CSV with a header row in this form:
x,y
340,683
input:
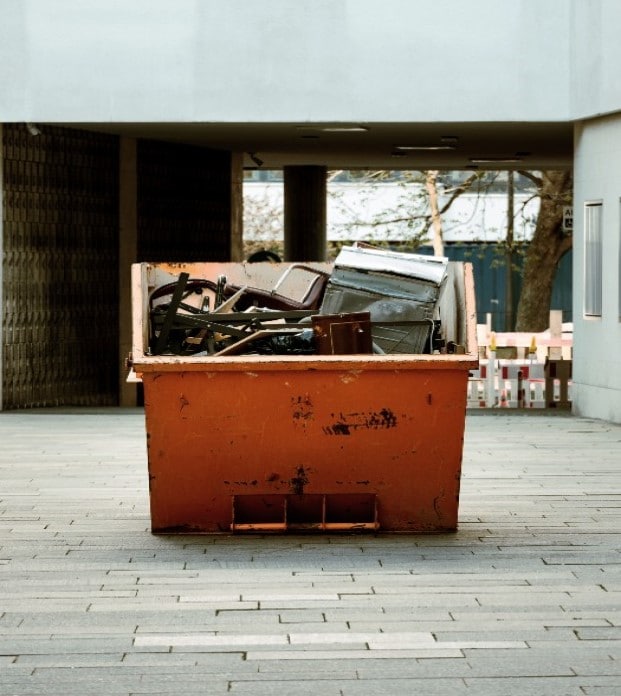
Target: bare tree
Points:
x,y
420,208
550,241
431,185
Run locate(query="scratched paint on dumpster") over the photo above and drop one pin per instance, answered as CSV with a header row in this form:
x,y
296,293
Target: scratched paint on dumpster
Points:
x,y
302,410
347,423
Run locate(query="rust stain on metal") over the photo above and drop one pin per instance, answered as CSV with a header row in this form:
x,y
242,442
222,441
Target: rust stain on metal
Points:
x,y
299,481
302,410
347,423
437,504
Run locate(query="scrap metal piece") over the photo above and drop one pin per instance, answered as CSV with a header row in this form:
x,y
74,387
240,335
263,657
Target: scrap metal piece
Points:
x,y
171,312
399,291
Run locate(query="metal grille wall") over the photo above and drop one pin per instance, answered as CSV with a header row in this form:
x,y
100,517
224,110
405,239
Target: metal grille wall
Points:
x,y
60,268
184,203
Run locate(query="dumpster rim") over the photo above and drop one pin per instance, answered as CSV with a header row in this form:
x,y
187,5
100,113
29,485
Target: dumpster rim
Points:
x,y
174,363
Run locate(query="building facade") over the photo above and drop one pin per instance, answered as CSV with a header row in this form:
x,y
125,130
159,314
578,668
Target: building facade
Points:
x,y
126,127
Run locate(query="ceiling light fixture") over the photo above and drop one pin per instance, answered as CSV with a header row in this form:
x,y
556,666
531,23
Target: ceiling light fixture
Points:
x,y
424,147
495,160
344,129
336,128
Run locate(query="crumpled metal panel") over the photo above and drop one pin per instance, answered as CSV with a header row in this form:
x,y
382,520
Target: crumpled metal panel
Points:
x,y
393,287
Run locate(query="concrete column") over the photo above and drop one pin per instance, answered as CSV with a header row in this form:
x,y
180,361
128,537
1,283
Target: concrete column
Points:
x,y
128,253
305,213
1,266
237,207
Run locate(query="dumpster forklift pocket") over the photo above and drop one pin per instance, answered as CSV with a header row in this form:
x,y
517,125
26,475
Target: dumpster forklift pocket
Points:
x,y
328,512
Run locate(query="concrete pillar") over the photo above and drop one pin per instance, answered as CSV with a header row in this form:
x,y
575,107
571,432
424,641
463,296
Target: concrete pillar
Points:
x,y
128,254
237,207
305,213
1,266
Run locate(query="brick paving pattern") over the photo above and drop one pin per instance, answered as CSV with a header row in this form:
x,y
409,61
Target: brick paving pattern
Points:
x,y
524,599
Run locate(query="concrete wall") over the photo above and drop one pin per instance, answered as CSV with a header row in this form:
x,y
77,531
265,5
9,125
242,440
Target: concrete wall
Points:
x,y
597,341
595,55
278,60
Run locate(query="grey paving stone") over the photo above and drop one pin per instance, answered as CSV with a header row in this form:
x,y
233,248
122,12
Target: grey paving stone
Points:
x,y
72,659
221,663
525,686
599,633
351,687
327,687
521,663
390,687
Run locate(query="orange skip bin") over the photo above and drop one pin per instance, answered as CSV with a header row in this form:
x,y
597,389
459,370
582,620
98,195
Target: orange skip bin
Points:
x,y
314,443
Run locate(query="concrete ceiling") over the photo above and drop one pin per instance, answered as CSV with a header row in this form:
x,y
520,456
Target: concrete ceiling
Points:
x,y
517,145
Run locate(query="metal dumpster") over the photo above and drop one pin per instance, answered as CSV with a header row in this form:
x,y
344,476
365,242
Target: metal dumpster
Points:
x,y
242,443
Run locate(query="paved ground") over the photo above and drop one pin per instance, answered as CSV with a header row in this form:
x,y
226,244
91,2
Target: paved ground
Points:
x,y
524,599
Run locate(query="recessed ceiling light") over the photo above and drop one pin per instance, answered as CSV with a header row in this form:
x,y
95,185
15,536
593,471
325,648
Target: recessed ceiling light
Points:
x,y
495,160
336,128
424,147
344,129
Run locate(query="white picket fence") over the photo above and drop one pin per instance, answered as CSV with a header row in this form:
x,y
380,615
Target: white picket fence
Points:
x,y
518,370
516,384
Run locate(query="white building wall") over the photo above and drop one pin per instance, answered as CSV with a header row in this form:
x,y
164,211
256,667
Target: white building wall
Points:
x,y
284,60
595,57
597,341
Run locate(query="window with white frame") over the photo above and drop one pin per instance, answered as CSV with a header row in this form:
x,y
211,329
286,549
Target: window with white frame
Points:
x,y
593,259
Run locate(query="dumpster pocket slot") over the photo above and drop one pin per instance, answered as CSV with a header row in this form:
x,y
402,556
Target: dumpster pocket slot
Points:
x,y
310,511
265,513
348,511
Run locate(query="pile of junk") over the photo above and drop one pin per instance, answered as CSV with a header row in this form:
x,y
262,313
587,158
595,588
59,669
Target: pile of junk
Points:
x,y
370,301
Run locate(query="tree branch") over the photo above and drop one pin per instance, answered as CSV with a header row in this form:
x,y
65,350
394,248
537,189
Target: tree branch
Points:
x,y
458,190
537,180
